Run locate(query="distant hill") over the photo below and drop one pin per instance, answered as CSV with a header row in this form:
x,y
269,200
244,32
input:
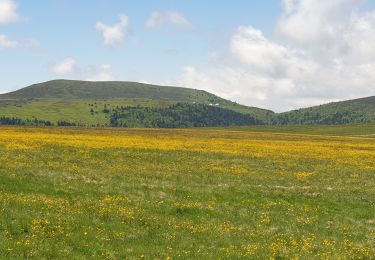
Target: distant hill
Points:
x,y
71,89
93,103
346,112
132,104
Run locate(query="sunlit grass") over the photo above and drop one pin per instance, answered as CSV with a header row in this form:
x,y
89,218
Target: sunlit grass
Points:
x,y
110,193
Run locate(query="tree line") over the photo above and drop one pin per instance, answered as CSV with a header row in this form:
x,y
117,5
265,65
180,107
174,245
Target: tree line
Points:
x,y
314,117
180,115
32,122
186,115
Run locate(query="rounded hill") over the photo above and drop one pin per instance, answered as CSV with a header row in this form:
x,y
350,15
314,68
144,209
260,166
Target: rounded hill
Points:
x,y
108,90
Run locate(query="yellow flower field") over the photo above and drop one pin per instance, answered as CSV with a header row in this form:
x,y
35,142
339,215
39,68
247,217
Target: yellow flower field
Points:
x,y
165,194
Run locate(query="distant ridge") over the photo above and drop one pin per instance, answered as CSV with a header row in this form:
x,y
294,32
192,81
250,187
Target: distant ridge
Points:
x,y
93,103
361,110
108,90
135,104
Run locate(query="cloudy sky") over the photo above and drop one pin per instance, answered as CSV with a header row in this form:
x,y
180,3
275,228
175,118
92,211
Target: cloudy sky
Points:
x,y
276,54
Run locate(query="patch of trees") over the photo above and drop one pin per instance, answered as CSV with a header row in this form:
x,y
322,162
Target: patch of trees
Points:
x,y
25,122
105,109
314,117
33,122
180,115
65,123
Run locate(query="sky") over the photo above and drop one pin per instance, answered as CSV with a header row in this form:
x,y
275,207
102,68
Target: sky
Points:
x,y
274,54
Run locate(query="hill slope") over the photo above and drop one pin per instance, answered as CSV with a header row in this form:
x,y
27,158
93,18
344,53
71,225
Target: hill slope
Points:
x,y
351,111
68,89
141,105
92,103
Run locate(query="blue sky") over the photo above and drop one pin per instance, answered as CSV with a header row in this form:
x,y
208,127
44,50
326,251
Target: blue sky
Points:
x,y
67,29
261,53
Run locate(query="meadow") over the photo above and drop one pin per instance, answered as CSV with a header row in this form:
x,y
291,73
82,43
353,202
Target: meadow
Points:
x,y
78,193
70,110
354,130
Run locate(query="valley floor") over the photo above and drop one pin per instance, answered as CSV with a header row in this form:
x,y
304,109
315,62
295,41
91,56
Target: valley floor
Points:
x,y
231,193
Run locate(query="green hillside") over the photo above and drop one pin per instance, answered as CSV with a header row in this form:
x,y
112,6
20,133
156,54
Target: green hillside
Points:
x,y
68,89
347,112
134,104
92,103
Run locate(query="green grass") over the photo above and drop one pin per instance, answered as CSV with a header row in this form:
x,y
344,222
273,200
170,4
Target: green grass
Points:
x,y
70,110
192,194
365,130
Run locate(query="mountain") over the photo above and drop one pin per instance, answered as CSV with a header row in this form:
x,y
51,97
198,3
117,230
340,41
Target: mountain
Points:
x,y
86,103
132,104
346,112
70,89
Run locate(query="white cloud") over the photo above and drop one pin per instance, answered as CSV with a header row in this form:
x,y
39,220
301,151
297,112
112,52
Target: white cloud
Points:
x,y
288,5
258,71
69,68
251,48
113,35
158,19
8,12
65,67
25,44
101,73
6,43
319,26
323,51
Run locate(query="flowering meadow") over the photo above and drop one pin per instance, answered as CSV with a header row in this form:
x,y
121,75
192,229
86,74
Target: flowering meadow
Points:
x,y
170,194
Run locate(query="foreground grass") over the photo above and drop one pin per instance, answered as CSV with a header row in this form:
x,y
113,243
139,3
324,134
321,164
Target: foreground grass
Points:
x,y
76,193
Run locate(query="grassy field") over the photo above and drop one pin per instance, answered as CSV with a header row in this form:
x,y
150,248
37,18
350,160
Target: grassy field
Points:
x,y
70,110
79,110
166,194
354,130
